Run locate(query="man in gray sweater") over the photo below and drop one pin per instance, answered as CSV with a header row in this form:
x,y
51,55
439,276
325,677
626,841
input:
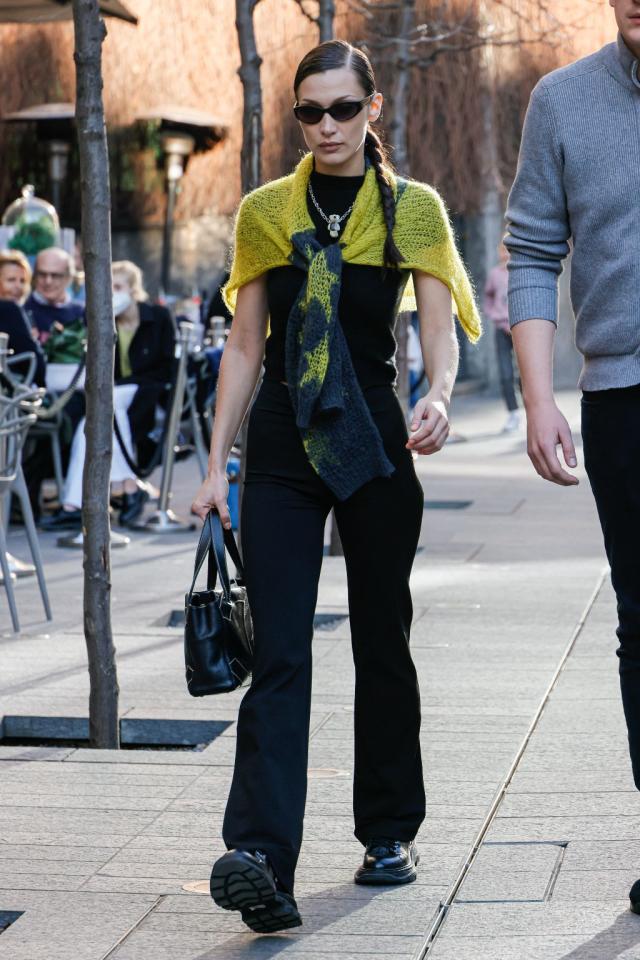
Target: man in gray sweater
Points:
x,y
578,180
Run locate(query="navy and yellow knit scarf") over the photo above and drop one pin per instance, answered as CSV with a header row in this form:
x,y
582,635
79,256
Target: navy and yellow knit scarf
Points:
x,y
340,438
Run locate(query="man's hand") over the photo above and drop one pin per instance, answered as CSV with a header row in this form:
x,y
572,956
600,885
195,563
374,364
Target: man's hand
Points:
x,y
547,429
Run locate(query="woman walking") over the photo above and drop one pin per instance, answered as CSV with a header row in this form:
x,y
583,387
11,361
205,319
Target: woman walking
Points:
x,y
321,260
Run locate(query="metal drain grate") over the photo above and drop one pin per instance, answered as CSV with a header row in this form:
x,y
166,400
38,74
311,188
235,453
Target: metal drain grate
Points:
x,y
447,504
174,619
7,917
135,734
328,621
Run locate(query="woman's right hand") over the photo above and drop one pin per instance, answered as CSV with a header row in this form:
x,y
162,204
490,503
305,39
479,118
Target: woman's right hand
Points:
x,y
213,495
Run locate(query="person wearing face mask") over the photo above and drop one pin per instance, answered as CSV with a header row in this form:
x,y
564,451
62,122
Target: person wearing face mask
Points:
x,y
15,279
69,515
145,348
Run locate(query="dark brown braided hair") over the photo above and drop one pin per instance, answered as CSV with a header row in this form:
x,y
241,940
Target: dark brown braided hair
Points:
x,y
334,55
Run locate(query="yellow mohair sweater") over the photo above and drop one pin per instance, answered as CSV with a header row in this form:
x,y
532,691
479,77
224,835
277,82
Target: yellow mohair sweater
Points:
x,y
269,216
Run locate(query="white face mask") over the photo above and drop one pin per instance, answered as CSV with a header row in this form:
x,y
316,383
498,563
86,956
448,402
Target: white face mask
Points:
x,y
121,300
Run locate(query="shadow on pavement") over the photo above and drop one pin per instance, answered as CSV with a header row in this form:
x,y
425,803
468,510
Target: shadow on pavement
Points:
x,y
251,946
610,943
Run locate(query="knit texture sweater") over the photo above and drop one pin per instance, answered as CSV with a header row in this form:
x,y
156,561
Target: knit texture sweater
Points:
x,y
273,228
578,181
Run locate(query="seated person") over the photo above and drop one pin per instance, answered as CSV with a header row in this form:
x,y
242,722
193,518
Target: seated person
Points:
x,y
15,280
69,516
144,355
49,301
144,352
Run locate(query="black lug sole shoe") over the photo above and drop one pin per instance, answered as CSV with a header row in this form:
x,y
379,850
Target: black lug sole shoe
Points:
x,y
240,881
388,864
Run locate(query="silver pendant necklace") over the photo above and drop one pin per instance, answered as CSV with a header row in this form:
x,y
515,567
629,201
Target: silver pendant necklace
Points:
x,y
334,220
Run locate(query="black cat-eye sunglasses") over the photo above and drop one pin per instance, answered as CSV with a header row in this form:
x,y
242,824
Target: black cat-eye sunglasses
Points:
x,y
344,110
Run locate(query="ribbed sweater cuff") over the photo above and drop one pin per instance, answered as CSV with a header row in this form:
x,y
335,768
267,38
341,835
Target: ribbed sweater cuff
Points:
x,y
533,303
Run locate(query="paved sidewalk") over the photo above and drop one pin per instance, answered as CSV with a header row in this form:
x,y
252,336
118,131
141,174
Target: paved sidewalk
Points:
x,y
96,847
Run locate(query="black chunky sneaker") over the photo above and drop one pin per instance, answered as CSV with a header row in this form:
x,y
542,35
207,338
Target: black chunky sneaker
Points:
x,y
634,897
388,862
244,880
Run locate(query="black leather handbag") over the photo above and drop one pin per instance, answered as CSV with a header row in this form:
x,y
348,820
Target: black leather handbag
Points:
x,y
218,633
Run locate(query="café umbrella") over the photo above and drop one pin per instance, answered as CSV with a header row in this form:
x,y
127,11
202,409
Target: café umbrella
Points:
x,y
47,11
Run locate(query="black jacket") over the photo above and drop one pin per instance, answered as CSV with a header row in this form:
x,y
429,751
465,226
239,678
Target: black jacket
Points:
x,y
152,348
151,356
13,320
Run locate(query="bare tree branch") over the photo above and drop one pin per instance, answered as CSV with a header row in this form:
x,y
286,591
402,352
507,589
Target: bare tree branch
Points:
x,y
325,11
303,7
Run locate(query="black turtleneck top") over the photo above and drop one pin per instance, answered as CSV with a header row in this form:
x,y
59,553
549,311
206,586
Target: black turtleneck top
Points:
x,y
369,296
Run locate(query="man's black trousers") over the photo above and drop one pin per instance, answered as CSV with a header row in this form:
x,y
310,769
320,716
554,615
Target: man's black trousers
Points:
x,y
285,506
611,435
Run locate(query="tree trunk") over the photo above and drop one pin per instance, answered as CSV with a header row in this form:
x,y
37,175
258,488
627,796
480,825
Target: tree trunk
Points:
x,y
326,15
250,62
399,92
250,162
90,32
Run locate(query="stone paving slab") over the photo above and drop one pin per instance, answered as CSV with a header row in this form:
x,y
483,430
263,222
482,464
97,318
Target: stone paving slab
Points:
x,y
165,944
596,885
566,828
61,926
608,855
623,945
551,919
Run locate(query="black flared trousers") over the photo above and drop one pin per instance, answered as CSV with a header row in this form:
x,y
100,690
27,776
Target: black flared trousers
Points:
x,y
285,506
611,437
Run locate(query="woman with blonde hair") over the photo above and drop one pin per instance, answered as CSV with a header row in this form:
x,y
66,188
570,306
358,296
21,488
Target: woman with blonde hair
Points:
x,y
15,276
144,352
15,283
321,260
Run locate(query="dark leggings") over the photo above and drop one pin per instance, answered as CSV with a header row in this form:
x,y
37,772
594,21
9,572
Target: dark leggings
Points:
x,y
285,506
611,436
504,348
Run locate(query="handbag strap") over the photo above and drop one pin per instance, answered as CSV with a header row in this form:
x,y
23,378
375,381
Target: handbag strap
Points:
x,y
212,543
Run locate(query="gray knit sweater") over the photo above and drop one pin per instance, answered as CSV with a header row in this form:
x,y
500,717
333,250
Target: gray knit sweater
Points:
x,y
578,183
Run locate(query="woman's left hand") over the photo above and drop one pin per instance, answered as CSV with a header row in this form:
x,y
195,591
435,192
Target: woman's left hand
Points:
x,y
429,426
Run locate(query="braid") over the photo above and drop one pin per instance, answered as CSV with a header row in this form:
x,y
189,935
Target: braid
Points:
x,y
376,153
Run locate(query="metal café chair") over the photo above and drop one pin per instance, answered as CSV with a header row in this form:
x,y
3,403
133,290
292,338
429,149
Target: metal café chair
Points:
x,y
17,414
19,370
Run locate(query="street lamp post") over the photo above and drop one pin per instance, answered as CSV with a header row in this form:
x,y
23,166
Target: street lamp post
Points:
x,y
183,131
58,158
54,124
177,148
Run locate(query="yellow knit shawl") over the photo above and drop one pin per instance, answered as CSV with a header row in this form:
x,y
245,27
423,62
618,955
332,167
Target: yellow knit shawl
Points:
x,y
270,215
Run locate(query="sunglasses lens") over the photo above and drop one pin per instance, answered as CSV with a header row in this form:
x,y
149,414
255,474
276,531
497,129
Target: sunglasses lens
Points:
x,y
345,111
308,114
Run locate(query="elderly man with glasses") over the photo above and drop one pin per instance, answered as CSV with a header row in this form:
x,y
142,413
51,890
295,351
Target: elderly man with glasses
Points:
x,y
50,303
